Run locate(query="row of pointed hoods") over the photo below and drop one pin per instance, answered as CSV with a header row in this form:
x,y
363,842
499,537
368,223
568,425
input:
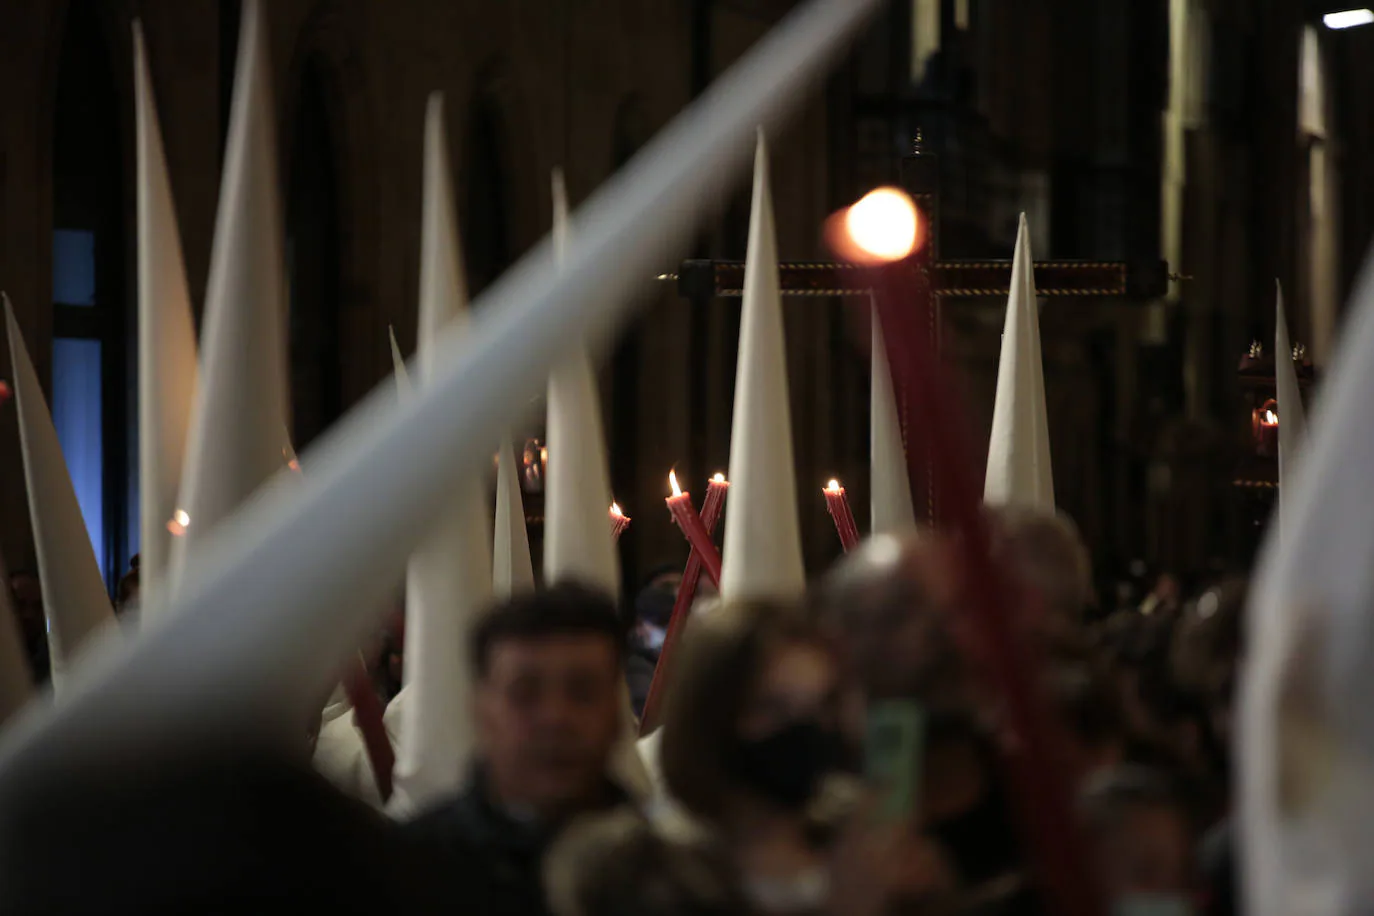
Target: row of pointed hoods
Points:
x,y
1306,801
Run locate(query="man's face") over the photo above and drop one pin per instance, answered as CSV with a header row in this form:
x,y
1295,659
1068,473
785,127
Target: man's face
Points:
x,y
548,713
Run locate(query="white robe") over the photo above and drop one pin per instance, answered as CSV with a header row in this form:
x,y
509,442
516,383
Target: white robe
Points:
x,y
341,754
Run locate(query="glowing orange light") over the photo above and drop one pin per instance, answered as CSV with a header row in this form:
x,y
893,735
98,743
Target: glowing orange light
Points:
x,y
719,478
672,482
179,523
883,226
833,486
615,510
1271,418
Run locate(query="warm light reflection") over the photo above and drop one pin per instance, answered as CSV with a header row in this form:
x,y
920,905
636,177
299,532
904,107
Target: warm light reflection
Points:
x,y
615,510
719,478
883,226
179,523
1270,418
672,482
833,486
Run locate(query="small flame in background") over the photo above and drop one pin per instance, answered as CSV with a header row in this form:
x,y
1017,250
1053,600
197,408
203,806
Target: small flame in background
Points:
x,y
833,486
719,478
672,482
179,523
616,511
1271,418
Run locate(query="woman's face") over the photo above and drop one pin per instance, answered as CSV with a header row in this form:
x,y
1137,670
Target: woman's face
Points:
x,y
799,681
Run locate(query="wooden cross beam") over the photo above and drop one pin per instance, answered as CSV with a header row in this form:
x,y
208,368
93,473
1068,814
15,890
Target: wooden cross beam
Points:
x,y
697,279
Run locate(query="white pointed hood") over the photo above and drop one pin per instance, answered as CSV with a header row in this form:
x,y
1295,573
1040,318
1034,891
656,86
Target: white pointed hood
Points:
x,y
1306,738
762,555
398,364
1292,416
16,679
890,485
577,531
167,370
512,570
578,545
74,596
1019,470
241,408
449,579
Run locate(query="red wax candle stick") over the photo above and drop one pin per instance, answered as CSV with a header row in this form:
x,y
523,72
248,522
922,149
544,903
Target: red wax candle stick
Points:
x,y
711,508
1042,788
838,504
619,522
685,514
885,232
367,715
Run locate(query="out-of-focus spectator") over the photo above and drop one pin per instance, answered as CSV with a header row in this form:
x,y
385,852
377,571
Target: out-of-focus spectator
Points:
x,y
619,865
750,734
653,609
1142,838
547,711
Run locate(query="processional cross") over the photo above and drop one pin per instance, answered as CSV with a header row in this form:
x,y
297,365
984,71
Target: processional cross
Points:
x,y
702,280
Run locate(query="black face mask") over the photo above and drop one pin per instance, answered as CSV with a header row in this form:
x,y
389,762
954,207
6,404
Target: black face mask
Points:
x,y
982,842
787,766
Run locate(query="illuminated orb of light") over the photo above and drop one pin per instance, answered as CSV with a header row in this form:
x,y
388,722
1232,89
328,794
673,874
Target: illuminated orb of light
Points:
x,y
884,225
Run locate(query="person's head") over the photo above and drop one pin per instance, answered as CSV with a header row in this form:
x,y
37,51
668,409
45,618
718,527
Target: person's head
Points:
x,y
617,863
548,695
1139,830
753,712
1049,555
889,606
654,606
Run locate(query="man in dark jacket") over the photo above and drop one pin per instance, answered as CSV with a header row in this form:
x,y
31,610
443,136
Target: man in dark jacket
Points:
x,y
548,708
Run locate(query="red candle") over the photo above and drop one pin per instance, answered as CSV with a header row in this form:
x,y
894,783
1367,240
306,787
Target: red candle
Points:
x,y
685,514
875,234
711,508
619,522
367,716
838,504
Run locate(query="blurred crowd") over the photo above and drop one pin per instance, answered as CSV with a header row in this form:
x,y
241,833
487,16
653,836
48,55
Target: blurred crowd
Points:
x,y
764,797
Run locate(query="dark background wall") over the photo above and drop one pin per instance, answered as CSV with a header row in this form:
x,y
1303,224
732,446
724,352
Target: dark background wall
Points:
x,y
1056,107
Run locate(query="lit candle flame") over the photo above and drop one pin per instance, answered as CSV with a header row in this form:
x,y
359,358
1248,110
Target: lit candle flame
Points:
x,y
883,226
1271,418
719,478
615,510
672,482
833,486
